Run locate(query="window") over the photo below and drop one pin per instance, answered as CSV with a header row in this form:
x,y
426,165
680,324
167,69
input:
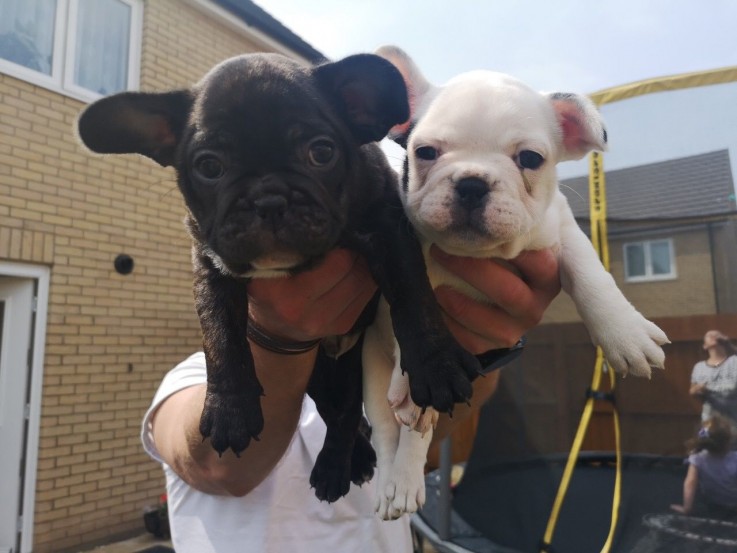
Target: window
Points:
x,y
649,260
82,48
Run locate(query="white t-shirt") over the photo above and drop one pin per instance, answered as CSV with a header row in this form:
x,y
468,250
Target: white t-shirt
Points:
x,y
282,514
717,379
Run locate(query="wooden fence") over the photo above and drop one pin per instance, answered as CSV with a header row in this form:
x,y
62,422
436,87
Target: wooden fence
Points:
x,y
540,399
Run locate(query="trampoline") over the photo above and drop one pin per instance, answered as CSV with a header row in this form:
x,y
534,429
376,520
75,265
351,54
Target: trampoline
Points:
x,y
677,533
504,507
504,498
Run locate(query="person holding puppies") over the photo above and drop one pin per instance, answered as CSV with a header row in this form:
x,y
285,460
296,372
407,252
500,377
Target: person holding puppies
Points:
x,y
261,501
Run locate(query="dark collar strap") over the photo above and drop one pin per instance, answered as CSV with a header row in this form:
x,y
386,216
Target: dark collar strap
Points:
x,y
497,358
272,343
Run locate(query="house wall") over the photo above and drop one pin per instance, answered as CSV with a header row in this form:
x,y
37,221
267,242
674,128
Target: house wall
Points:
x,y
690,293
110,338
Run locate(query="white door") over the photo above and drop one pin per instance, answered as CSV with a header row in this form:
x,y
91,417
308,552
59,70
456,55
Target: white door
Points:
x,y
16,308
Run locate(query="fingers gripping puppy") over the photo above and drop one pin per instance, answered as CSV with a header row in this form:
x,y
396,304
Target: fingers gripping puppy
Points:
x,y
480,180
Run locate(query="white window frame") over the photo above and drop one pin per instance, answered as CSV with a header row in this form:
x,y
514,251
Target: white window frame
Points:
x,y
649,276
61,79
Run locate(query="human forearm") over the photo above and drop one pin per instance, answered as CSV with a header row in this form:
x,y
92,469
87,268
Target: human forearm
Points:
x,y
177,436
323,301
689,488
690,484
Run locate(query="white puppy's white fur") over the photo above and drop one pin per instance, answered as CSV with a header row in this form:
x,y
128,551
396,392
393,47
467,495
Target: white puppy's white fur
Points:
x,y
474,189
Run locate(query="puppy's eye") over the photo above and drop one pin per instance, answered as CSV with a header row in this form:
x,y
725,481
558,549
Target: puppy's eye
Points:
x,y
527,159
428,153
209,166
321,152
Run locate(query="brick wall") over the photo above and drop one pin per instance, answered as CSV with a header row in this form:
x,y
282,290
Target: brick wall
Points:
x,y
110,338
690,293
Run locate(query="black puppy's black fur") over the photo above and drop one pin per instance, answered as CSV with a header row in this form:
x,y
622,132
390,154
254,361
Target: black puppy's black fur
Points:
x,y
277,167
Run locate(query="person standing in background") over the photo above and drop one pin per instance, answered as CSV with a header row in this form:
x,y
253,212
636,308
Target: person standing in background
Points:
x,y
714,380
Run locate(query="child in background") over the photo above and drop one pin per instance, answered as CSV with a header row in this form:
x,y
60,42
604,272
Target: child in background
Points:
x,y
710,487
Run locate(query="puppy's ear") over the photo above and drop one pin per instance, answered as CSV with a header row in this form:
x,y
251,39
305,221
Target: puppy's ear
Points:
x,y
136,122
582,128
419,89
369,93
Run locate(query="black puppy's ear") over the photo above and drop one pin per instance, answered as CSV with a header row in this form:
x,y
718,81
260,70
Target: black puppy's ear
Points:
x,y
136,122
369,93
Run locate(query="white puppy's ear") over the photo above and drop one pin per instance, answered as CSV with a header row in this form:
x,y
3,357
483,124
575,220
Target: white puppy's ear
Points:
x,y
419,89
582,128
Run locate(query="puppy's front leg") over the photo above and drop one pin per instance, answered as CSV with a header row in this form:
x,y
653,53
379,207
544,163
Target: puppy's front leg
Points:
x,y
401,453
232,413
440,370
346,454
631,343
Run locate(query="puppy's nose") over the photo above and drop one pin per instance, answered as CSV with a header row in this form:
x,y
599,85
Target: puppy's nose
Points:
x,y
270,205
471,192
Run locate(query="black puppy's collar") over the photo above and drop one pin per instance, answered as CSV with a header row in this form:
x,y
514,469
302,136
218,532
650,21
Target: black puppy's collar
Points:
x,y
497,358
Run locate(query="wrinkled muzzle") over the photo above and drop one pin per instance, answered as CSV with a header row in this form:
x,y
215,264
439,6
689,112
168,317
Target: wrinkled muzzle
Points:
x,y
269,223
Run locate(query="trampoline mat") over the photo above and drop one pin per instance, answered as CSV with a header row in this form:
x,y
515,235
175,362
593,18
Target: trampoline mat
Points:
x,y
509,503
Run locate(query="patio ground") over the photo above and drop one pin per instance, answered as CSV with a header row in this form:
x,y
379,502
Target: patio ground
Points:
x,y
131,545
144,541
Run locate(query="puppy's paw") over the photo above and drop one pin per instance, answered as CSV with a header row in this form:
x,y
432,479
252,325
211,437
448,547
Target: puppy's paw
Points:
x,y
633,346
363,460
399,492
331,475
443,377
231,420
414,417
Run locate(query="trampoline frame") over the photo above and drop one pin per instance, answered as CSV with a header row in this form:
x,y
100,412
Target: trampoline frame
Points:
x,y
437,529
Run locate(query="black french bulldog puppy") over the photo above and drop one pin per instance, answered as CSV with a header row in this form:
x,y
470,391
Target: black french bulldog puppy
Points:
x,y
277,167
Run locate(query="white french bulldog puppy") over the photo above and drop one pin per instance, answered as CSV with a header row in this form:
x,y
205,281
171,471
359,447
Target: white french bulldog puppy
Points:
x,y
480,180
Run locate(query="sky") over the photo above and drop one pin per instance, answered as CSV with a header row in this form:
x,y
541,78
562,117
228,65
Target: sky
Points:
x,y
578,46
572,45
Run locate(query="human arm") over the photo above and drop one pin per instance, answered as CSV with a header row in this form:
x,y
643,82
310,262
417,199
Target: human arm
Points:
x,y
698,380
326,300
690,484
697,389
177,438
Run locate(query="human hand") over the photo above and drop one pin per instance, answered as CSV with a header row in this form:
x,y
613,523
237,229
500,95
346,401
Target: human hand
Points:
x,y
518,300
697,389
323,301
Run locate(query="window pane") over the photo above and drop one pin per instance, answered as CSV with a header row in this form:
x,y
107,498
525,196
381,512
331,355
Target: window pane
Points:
x,y
101,52
27,33
660,257
635,255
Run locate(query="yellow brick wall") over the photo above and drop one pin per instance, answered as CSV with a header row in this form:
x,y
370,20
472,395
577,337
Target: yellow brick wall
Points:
x,y
110,338
691,293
